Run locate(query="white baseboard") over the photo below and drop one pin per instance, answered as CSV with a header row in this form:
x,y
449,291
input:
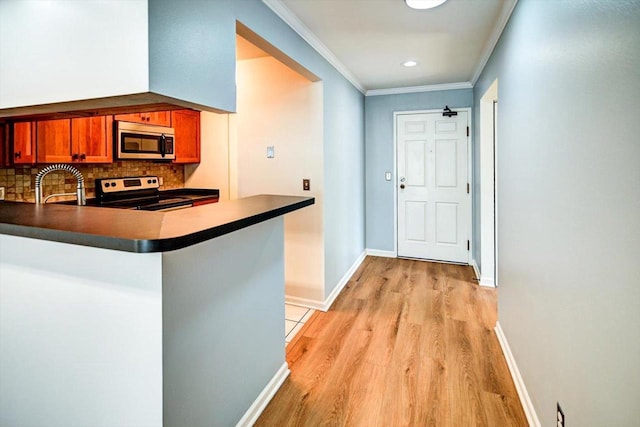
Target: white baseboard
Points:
x,y
525,400
489,283
343,282
378,252
326,304
476,270
304,302
482,281
251,416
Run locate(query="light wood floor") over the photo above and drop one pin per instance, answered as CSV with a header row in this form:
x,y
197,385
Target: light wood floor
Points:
x,y
407,343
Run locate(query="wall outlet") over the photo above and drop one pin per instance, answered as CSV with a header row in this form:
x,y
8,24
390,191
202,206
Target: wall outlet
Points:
x,y
160,180
1,193
306,184
271,152
387,176
560,417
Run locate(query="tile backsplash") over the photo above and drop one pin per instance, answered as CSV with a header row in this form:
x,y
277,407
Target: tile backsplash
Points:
x,y
19,181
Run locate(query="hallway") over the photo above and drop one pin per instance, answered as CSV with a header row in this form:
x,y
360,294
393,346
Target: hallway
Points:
x,y
407,343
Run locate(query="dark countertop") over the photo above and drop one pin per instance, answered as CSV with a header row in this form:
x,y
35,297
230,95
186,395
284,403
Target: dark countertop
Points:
x,y
141,231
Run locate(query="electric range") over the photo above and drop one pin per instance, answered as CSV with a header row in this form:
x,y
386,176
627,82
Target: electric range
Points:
x,y
143,193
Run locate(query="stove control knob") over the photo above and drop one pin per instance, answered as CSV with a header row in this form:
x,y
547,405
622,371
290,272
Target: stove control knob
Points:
x,y
148,181
154,181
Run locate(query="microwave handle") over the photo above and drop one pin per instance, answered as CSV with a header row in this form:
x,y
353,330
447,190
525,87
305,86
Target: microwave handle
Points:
x,y
163,145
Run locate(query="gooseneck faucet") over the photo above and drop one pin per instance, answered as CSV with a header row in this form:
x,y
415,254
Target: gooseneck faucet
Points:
x,y
82,200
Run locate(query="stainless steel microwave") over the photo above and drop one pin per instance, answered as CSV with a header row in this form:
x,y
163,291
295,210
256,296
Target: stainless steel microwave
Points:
x,y
136,141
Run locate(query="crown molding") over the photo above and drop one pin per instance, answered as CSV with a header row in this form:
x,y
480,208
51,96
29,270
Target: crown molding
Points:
x,y
505,14
292,20
417,89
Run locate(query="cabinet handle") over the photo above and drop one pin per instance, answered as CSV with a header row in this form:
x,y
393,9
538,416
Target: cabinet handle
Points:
x,y
83,156
74,156
18,155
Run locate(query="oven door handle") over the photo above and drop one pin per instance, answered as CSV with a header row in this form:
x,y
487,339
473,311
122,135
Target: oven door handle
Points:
x,y
163,145
175,208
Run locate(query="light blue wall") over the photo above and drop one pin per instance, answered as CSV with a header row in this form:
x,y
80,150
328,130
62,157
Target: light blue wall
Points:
x,y
211,376
192,54
343,142
206,36
569,205
379,154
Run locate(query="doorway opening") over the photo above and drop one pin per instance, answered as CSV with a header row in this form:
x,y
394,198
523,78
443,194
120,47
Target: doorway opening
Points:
x,y
270,145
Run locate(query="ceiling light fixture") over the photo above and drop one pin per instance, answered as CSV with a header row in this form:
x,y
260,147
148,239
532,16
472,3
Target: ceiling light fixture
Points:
x,y
424,4
410,63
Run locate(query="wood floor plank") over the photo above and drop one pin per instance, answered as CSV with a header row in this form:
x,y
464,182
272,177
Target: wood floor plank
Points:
x,y
463,386
400,404
406,343
432,393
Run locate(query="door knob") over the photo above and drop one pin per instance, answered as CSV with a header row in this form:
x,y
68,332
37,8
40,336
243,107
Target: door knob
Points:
x,y
402,186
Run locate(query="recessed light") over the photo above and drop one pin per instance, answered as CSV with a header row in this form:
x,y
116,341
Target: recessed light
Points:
x,y
424,4
410,63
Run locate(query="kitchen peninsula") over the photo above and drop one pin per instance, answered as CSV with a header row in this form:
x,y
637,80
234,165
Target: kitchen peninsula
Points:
x,y
117,317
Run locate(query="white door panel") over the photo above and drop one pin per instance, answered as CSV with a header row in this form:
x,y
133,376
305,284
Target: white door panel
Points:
x,y
417,217
434,209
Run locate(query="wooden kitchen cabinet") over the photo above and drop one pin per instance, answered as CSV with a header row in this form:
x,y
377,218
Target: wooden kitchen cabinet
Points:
x,y
186,125
53,141
22,149
4,146
82,140
92,139
159,118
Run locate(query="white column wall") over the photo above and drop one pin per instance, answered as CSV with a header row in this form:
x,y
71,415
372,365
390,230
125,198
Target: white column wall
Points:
x,y
80,335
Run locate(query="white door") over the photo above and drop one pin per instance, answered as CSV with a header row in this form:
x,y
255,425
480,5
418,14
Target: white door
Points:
x,y
434,206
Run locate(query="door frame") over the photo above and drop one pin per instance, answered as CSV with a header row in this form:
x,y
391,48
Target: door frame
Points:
x,y
395,172
488,163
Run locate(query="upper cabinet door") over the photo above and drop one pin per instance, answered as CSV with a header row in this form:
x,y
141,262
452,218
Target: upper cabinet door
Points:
x,y
159,118
186,124
22,147
4,146
53,141
92,139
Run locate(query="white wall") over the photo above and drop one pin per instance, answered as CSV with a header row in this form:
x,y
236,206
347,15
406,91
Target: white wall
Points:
x,y
569,205
80,335
55,51
278,107
213,169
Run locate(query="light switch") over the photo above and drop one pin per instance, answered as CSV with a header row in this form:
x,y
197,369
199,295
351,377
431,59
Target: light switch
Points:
x,y
270,152
387,176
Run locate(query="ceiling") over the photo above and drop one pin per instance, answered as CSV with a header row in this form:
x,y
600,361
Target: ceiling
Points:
x,y
368,40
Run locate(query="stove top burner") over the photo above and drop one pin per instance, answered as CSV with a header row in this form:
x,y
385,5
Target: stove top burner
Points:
x,y
140,192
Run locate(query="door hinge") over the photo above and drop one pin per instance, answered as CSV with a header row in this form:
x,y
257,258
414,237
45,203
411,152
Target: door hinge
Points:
x,y
467,188
467,130
468,245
